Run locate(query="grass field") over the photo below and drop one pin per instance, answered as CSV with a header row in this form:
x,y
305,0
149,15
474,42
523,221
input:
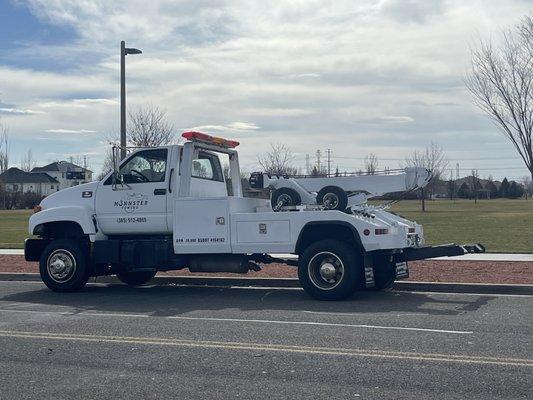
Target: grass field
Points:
x,y
13,228
500,225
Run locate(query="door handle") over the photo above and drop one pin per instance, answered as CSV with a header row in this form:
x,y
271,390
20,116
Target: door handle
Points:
x,y
170,181
160,192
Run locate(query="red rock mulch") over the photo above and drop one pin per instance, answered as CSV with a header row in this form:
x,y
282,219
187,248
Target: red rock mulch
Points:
x,y
427,271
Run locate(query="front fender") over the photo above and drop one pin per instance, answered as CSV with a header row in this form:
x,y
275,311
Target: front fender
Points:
x,y
80,215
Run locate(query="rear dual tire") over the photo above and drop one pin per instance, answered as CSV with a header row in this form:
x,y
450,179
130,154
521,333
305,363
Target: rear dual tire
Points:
x,y
136,278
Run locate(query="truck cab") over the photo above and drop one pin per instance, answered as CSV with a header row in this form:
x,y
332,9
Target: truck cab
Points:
x,y
172,207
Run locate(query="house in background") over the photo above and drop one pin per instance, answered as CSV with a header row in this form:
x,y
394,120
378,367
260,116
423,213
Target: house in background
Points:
x,y
66,173
16,180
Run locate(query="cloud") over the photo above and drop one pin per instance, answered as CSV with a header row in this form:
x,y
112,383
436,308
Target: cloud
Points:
x,y
233,126
419,11
305,75
243,126
351,76
69,131
396,119
19,111
78,103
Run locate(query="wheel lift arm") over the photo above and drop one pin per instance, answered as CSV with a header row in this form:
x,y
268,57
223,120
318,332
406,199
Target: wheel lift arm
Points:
x,y
445,250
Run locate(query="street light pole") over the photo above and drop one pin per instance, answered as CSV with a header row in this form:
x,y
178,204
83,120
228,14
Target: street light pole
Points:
x,y
122,100
123,52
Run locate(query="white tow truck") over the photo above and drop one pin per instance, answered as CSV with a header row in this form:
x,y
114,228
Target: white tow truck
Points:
x,y
168,208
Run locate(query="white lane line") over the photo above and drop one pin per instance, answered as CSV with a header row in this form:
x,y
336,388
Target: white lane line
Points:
x,y
73,314
240,320
265,321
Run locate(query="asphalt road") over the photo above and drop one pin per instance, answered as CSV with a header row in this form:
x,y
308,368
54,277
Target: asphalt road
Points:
x,y
112,341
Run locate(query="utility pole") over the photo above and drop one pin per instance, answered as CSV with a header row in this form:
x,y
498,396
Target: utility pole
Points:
x,y
85,162
452,185
307,165
329,161
123,52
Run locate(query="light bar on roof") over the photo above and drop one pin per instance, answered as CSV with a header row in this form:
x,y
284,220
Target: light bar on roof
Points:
x,y
204,138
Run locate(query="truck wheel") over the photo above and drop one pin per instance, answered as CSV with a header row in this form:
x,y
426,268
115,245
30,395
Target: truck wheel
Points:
x,y
63,266
285,197
136,278
330,270
332,198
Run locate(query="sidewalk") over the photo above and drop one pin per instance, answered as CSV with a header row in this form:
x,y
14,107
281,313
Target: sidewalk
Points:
x,y
467,257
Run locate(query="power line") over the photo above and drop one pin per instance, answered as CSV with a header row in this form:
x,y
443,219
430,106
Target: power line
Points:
x,y
449,159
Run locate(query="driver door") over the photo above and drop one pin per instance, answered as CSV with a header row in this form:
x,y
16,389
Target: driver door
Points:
x,y
138,204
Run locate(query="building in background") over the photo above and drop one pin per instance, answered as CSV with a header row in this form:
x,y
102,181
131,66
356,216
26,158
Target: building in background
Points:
x,y
66,173
15,180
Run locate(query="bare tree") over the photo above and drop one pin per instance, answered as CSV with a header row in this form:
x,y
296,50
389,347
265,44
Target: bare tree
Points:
x,y
28,162
371,164
528,186
107,164
432,158
278,160
148,127
501,83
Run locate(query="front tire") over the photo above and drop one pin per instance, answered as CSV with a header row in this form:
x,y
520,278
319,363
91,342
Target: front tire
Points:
x,y
330,270
63,265
136,278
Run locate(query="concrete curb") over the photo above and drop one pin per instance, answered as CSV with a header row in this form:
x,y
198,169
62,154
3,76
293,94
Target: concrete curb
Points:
x,y
406,286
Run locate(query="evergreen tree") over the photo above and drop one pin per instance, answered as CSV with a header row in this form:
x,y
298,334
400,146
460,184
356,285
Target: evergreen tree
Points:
x,y
515,190
492,189
504,188
464,191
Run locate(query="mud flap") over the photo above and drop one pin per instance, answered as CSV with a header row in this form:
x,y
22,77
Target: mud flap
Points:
x,y
369,272
402,270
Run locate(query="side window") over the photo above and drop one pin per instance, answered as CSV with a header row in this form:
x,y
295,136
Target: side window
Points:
x,y
207,166
144,166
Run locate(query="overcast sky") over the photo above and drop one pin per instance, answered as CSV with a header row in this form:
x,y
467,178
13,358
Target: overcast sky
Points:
x,y
353,76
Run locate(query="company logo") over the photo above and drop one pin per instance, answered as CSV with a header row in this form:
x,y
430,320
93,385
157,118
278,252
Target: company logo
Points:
x,y
132,202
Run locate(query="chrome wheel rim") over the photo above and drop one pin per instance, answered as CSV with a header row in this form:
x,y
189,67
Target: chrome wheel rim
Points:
x,y
285,200
326,270
330,201
61,265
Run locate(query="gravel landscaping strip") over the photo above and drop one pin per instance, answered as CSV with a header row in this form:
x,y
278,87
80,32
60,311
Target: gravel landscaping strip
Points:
x,y
421,271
